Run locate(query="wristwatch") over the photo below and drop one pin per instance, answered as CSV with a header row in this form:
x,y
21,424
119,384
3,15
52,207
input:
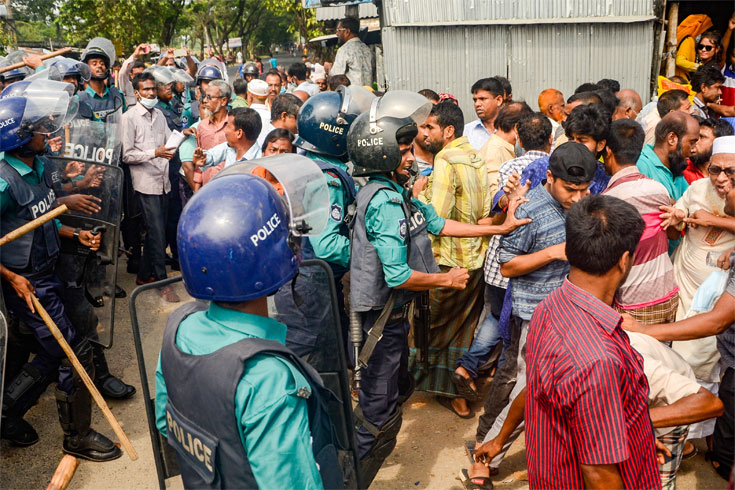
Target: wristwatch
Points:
x,y
77,231
74,186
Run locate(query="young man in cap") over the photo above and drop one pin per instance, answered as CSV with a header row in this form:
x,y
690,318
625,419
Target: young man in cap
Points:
x,y
533,258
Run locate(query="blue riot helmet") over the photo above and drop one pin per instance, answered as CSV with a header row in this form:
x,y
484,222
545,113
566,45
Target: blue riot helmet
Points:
x,y
239,239
62,68
21,117
324,119
16,74
15,90
208,72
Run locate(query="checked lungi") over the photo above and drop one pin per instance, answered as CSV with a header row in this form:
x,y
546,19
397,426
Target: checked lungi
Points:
x,y
454,317
664,312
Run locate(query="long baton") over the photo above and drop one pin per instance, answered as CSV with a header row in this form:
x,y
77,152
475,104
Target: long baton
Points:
x,y
64,473
46,56
87,381
32,225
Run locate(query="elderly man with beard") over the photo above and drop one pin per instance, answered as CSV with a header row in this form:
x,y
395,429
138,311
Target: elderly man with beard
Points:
x,y
719,322
709,129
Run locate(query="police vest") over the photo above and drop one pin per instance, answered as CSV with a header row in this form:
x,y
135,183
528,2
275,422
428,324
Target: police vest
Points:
x,y
368,289
101,108
36,251
200,420
172,113
348,186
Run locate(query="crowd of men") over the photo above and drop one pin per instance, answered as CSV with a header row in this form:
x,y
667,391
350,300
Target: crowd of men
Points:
x,y
584,252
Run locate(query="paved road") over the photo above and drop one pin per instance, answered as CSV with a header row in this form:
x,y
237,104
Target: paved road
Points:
x,y
429,454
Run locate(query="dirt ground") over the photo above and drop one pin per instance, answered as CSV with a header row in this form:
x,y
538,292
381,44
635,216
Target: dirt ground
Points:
x,y
429,454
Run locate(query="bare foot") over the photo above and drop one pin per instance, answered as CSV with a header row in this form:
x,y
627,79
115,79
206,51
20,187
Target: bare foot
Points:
x,y
460,406
479,469
463,372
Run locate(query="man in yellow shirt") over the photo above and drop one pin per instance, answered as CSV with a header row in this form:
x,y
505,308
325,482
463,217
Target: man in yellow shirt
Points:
x,y
458,189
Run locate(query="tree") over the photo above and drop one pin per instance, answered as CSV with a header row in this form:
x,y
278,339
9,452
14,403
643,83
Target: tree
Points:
x,y
304,20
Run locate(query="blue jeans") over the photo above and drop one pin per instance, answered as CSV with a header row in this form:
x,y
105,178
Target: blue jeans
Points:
x,y
487,336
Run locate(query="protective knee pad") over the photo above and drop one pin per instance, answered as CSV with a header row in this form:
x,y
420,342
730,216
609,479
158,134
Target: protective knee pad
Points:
x,y
83,351
23,391
385,442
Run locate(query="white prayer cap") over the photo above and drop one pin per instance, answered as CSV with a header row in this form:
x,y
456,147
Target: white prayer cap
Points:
x,y
258,87
723,144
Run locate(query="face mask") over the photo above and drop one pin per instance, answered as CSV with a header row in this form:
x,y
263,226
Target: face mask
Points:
x,y
149,103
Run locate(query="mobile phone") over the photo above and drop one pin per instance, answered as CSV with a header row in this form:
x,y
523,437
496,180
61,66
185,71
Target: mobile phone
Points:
x,y
146,49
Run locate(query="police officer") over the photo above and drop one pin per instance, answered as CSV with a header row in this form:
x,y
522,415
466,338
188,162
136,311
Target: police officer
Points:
x,y
249,71
101,98
229,359
323,122
27,267
392,259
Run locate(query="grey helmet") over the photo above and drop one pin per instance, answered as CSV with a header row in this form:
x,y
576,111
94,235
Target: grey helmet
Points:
x,y
100,47
250,68
372,141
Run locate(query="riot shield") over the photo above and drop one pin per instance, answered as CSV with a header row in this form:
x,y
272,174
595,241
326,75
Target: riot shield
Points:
x,y
86,172
149,313
3,348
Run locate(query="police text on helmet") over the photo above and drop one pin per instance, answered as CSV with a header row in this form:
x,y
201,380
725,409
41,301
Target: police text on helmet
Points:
x,y
7,122
370,142
265,231
331,128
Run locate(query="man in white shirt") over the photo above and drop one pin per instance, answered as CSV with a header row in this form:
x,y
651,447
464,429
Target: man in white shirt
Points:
x,y
257,95
487,95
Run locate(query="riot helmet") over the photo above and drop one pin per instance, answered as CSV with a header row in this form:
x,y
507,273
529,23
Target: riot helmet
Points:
x,y
372,141
324,119
63,68
163,75
100,47
239,239
21,117
251,69
208,72
16,74
15,90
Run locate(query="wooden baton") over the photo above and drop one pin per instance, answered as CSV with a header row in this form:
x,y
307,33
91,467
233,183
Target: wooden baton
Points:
x,y
86,379
46,56
32,225
64,473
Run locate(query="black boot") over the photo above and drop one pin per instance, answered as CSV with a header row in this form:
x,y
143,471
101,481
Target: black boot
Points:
x,y
75,415
20,395
109,385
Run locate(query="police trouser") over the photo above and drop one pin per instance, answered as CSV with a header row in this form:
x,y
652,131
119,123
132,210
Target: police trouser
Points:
x,y
49,356
388,364
174,206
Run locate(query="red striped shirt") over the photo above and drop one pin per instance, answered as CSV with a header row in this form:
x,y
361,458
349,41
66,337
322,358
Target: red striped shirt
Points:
x,y
587,399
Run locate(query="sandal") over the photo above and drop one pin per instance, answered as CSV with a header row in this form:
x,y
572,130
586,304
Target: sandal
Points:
x,y
464,388
475,482
690,454
447,403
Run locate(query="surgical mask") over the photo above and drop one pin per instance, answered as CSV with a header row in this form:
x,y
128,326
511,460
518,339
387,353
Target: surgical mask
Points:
x,y
149,103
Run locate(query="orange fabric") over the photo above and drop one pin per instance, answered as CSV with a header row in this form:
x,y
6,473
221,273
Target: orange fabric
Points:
x,y
263,173
693,25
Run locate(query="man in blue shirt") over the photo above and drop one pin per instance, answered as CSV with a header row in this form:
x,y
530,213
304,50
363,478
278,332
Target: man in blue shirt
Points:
x,y
239,408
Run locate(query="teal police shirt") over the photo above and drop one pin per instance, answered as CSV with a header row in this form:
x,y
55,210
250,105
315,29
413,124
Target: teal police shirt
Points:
x,y
331,245
273,419
383,219
8,206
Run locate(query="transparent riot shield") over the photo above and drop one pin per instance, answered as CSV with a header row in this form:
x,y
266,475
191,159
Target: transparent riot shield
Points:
x,y
149,313
3,349
88,179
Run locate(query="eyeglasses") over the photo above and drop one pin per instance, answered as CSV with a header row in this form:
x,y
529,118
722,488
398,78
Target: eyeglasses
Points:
x,y
340,29
715,170
705,47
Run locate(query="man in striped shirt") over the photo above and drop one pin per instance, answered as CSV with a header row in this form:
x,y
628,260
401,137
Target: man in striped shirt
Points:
x,y
587,419
650,293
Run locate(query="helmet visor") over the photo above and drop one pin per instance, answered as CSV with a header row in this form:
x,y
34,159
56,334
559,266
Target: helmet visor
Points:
x,y
402,104
48,112
66,67
104,46
304,186
181,76
162,74
360,99
215,63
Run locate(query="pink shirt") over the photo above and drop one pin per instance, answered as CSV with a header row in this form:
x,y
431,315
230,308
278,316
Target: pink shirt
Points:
x,y
144,131
210,135
651,280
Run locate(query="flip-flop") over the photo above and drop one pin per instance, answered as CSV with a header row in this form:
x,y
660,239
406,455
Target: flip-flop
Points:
x,y
464,388
447,403
690,454
475,482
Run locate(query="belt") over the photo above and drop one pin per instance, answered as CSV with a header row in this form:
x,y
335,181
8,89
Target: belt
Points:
x,y
399,313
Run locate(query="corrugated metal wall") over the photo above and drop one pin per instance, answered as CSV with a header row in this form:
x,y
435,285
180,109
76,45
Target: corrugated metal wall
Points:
x,y
452,11
534,56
